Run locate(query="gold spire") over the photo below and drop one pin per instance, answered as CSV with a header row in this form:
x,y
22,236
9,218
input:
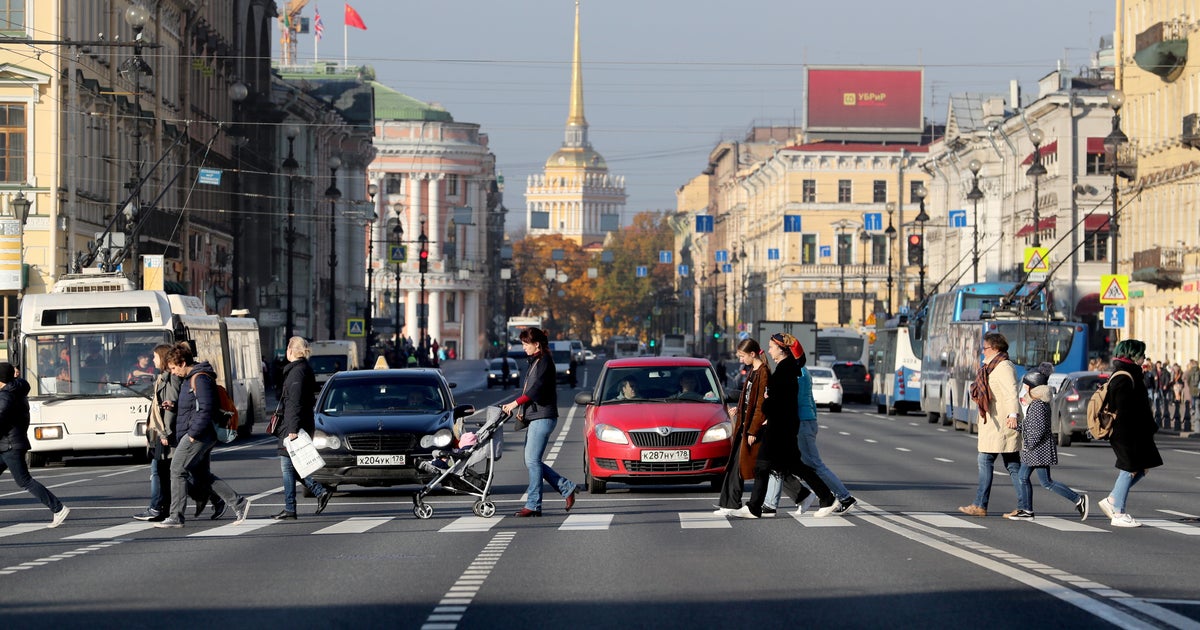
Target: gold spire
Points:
x,y
576,115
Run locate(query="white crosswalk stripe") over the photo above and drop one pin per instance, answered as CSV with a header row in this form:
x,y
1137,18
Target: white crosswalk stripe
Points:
x,y
116,531
944,521
20,528
587,522
354,525
471,524
236,529
828,521
702,520
1064,525
1171,526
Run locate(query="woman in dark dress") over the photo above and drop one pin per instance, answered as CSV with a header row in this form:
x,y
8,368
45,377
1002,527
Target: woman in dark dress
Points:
x,y
1133,429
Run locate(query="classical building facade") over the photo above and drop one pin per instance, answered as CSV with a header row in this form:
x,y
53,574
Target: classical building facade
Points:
x,y
575,196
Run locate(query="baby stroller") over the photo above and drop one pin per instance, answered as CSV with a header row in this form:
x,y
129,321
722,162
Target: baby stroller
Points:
x,y
468,469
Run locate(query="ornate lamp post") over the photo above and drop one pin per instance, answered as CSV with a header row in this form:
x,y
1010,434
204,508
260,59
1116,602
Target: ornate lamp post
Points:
x,y
290,166
891,236
333,194
136,16
842,260
1035,173
422,309
975,195
865,239
398,240
372,190
1112,145
922,218
237,93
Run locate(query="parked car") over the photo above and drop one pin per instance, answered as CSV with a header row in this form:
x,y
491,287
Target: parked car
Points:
x,y
373,427
827,389
1068,407
664,432
503,372
855,380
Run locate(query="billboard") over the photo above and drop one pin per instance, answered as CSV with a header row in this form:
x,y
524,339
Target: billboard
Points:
x,y
864,99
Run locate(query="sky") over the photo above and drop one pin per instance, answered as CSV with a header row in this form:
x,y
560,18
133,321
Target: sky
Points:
x,y
666,80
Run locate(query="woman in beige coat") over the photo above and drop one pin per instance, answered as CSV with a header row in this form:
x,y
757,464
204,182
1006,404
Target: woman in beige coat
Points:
x,y
994,393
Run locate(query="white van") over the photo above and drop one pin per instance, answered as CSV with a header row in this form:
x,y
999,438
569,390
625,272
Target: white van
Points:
x,y
330,357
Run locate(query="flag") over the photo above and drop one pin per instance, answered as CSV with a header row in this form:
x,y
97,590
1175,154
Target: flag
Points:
x,y
318,25
353,18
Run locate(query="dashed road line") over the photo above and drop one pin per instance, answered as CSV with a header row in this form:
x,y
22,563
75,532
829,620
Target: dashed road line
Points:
x,y
454,604
32,564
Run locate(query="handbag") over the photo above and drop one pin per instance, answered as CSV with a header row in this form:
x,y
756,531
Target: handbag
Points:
x,y
273,425
305,458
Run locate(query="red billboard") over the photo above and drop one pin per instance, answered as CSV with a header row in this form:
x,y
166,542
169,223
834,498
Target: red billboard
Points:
x,y
860,99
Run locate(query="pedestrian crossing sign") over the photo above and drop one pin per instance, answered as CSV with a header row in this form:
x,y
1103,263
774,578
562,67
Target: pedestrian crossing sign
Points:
x,y
1114,289
356,327
1037,259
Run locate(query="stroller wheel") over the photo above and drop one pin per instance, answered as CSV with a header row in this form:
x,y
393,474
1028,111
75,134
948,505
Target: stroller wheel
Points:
x,y
486,509
423,511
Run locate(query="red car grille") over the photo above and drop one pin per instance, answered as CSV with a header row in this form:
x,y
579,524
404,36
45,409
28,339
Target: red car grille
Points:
x,y
654,439
382,442
635,466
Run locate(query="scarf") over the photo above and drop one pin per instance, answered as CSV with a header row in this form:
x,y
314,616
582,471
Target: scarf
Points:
x,y
980,392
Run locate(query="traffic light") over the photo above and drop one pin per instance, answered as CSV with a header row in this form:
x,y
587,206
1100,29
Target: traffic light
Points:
x,y
717,334
916,248
424,262
652,343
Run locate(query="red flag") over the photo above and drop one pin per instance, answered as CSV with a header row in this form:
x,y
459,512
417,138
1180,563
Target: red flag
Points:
x,y
353,18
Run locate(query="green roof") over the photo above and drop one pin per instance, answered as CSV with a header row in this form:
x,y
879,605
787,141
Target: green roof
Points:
x,y
392,105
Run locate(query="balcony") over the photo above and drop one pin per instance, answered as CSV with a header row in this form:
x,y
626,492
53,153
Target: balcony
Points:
x,y
1162,49
1191,131
1161,266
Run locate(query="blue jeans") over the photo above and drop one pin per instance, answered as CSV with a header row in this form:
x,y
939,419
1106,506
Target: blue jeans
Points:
x,y
160,484
1025,496
14,460
1120,491
774,490
289,484
807,439
1012,461
536,439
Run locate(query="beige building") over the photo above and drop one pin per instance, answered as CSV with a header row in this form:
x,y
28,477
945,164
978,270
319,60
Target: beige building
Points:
x,y
575,196
1159,237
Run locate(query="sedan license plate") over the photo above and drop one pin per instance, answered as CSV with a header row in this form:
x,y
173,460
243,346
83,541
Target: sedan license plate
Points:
x,y
667,456
380,460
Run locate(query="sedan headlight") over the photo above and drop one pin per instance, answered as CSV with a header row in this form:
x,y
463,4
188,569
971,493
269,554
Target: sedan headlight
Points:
x,y
441,439
717,433
325,440
610,434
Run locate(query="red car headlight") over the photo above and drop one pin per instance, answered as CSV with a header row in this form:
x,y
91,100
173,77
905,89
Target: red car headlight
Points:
x,y
610,434
717,433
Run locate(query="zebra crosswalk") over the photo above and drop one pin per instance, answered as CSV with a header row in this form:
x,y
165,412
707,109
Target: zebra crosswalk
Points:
x,y
582,522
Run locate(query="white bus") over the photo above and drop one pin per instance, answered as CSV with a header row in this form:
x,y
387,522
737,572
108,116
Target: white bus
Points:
x,y
78,352
517,325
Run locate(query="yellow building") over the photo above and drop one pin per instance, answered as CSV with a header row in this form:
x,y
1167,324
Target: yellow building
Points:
x,y
1159,229
575,196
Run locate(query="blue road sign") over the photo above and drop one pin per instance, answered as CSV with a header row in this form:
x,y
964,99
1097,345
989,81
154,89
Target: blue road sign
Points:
x,y
791,223
642,271
727,268
209,176
722,255
664,256
872,221
826,251
1114,316
773,253
397,254
958,218
704,223
683,270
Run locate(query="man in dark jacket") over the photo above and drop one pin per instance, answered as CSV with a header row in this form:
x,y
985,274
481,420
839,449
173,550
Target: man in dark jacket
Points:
x,y
14,443
196,437
296,406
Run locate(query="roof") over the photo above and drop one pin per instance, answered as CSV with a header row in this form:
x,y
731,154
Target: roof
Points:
x,y
393,105
859,147
966,111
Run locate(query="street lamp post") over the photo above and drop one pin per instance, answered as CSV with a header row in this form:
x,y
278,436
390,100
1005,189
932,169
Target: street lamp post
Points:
x,y
922,218
842,246
865,239
975,195
237,93
422,309
136,16
333,194
1035,173
372,190
1112,145
290,166
398,240
891,236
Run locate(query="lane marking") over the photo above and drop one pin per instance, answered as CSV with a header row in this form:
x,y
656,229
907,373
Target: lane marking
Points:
x,y
703,520
1172,526
40,562
943,459
903,450
944,521
355,525
235,529
828,521
116,531
587,522
870,441
471,524
1182,514
1064,525
453,605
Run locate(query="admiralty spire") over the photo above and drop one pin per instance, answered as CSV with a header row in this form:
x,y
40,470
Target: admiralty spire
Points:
x,y
575,196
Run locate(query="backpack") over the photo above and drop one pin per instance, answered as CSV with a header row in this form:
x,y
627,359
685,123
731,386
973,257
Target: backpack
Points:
x,y
1099,415
225,417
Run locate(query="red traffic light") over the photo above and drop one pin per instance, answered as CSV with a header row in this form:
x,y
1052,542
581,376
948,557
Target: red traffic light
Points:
x,y
424,254
914,239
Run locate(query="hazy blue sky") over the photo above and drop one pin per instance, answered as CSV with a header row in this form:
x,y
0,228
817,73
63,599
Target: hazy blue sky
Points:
x,y
665,80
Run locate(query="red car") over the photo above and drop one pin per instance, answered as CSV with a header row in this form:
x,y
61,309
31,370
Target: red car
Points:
x,y
655,420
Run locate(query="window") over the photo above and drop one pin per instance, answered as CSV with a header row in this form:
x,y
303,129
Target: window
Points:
x,y
808,249
808,308
451,313
1095,164
879,249
845,247
809,192
843,191
843,310
1095,246
12,15
394,184
452,185
12,143
879,191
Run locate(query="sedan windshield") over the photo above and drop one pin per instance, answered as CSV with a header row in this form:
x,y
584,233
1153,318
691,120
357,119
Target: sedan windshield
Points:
x,y
659,383
359,396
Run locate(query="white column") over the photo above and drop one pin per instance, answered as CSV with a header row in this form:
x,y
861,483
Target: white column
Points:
x,y
436,232
470,326
414,211
434,330
411,330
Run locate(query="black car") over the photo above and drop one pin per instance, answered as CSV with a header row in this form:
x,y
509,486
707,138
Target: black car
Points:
x,y
1068,407
503,372
374,427
855,379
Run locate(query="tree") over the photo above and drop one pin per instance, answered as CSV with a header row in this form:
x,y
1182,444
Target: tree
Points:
x,y
625,302
568,306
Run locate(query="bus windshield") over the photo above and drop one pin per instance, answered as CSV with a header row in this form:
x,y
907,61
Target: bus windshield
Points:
x,y
1030,344
841,348
103,364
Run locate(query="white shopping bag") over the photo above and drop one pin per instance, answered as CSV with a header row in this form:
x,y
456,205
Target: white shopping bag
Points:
x,y
305,457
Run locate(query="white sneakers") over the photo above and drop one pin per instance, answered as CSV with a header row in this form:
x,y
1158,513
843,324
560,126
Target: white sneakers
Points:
x,y
743,512
806,504
59,517
724,511
1106,506
1124,520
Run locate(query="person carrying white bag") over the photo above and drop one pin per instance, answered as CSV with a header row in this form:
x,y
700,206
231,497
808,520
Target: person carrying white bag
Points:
x,y
298,458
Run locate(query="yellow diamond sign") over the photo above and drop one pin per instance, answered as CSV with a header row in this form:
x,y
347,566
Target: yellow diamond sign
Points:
x,y
1114,289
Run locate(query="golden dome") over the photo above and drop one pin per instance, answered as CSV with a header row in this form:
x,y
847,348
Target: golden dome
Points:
x,y
576,158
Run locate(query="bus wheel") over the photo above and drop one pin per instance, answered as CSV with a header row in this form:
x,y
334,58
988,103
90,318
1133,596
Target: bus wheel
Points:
x,y
880,408
35,460
931,416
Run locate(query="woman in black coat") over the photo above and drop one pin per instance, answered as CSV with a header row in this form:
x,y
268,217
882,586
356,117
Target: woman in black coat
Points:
x,y
1133,429
780,451
297,398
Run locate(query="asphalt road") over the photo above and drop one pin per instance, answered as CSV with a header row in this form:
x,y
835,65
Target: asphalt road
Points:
x,y
643,557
